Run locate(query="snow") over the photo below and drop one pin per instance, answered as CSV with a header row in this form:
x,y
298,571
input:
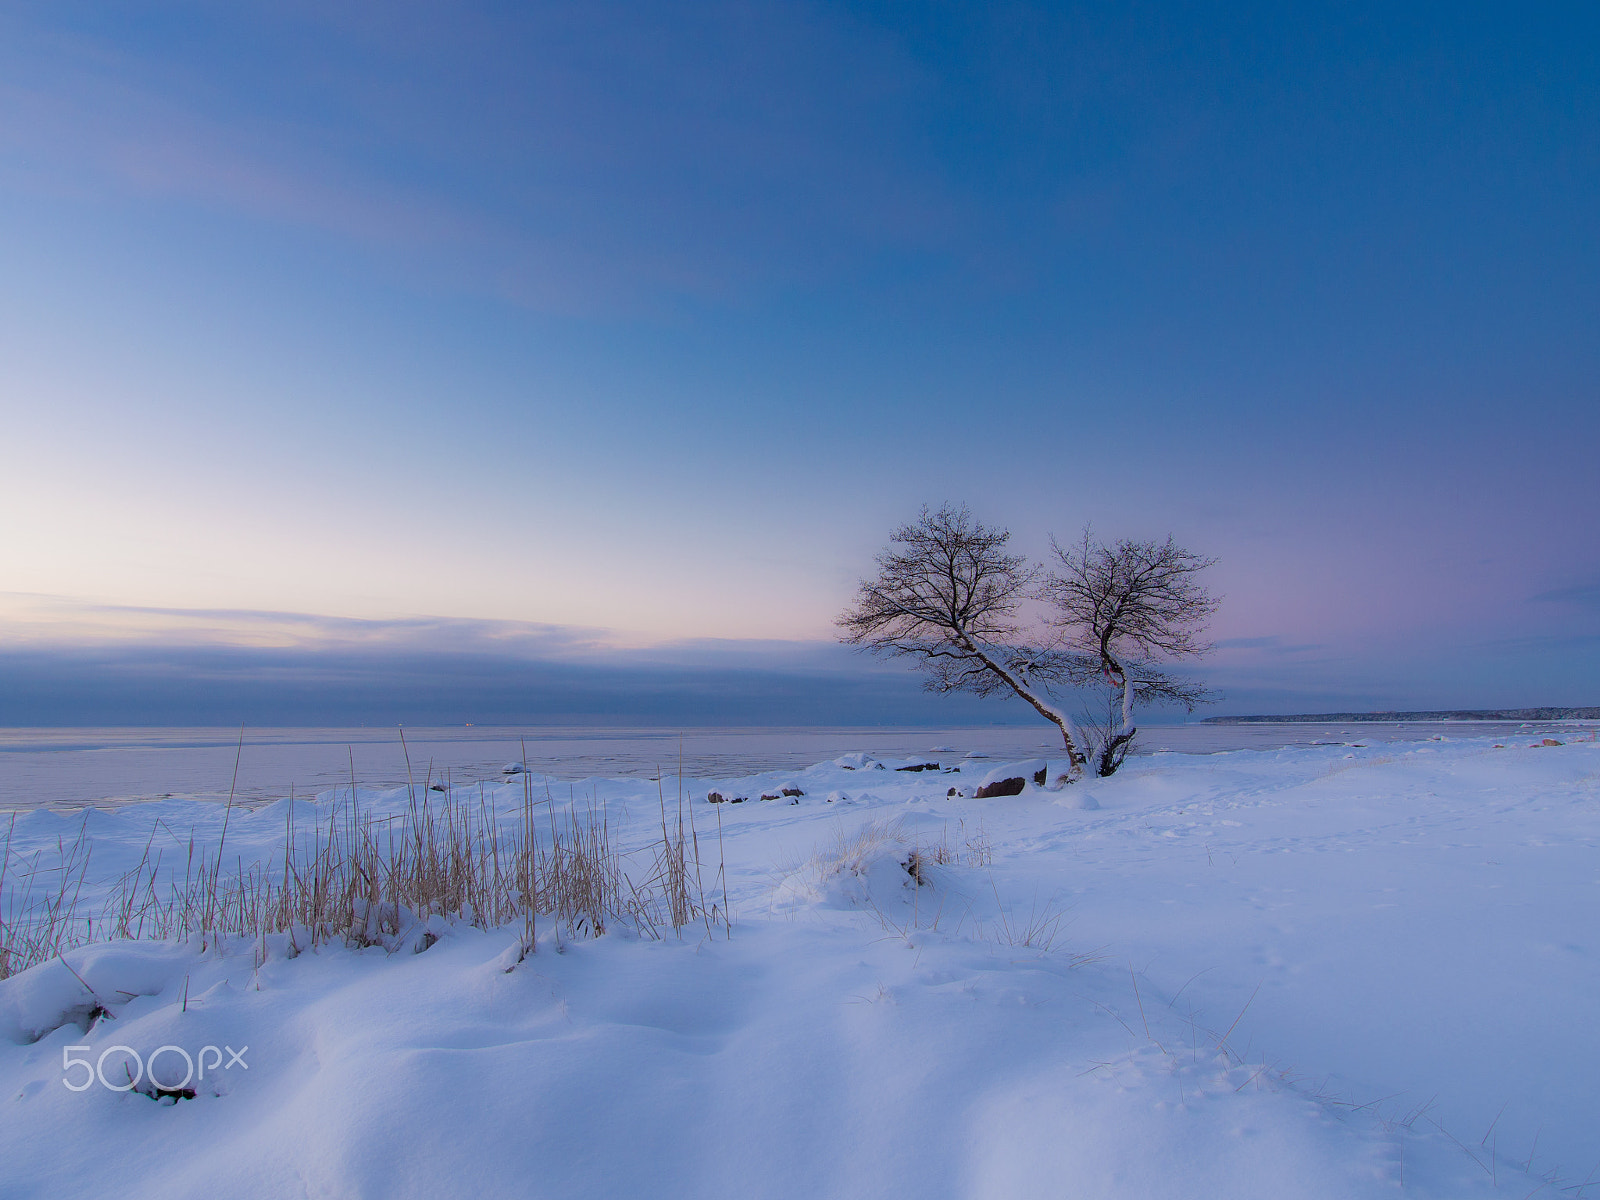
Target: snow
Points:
x,y
858,761
1329,971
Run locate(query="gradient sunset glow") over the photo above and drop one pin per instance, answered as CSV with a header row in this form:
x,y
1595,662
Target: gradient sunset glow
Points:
x,y
616,337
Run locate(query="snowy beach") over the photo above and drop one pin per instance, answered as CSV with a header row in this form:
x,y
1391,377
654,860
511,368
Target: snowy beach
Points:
x,y
1338,970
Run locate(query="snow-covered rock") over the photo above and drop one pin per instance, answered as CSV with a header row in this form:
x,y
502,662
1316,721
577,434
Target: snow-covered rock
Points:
x,y
1011,778
858,761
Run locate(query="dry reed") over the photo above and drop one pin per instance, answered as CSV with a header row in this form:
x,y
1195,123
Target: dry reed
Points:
x,y
366,879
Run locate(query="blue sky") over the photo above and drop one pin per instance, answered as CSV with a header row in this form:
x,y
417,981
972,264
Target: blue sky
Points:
x,y
647,323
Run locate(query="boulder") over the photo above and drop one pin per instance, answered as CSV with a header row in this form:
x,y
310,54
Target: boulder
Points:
x,y
1012,778
1011,786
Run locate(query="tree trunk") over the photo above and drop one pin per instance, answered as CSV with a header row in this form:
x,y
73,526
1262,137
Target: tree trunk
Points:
x,y
1048,711
1115,748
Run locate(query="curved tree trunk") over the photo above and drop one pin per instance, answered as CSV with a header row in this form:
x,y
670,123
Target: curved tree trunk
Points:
x,y
1045,709
1115,747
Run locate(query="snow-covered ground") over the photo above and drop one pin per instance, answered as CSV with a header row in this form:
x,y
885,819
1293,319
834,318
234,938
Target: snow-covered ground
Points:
x,y
1339,971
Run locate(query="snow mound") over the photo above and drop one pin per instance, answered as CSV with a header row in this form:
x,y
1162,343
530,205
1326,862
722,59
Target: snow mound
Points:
x,y
1076,798
859,761
88,985
865,869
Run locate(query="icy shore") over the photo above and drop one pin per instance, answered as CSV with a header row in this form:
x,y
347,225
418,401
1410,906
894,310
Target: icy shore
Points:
x,y
1338,971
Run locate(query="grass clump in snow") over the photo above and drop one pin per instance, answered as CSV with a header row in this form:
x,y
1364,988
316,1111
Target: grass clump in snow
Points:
x,y
367,879
38,920
880,868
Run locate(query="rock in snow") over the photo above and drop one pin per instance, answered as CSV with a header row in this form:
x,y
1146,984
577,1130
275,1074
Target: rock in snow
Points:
x,y
1009,780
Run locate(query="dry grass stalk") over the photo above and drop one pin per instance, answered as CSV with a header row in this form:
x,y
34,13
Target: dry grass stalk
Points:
x,y
370,880
673,894
969,849
36,921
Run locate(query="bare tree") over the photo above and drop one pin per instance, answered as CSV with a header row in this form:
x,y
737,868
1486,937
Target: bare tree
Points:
x,y
1121,612
948,596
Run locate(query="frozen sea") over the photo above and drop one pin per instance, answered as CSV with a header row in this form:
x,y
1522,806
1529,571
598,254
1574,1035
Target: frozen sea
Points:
x,y
71,768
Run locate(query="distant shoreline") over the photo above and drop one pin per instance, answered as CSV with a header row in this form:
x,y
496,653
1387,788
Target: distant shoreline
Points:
x,y
1479,714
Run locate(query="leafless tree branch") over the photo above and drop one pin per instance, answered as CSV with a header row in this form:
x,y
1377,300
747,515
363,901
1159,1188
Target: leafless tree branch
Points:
x,y
1120,611
947,594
